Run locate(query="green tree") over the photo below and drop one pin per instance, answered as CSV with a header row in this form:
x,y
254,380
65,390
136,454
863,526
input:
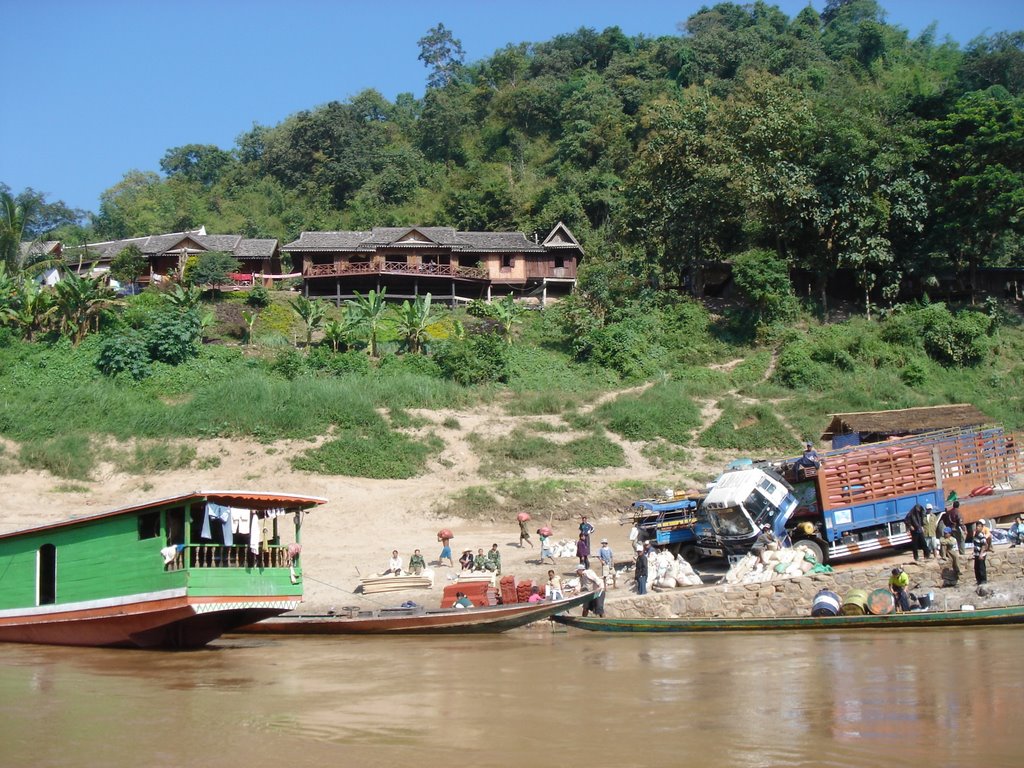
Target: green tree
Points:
x,y
128,265
369,314
212,268
338,333
979,149
442,54
413,321
763,280
203,163
312,313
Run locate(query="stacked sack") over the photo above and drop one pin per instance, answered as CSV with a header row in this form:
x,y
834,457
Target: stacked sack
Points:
x,y
771,564
666,572
564,548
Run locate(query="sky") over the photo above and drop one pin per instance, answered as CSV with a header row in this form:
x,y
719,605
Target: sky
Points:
x,y
97,88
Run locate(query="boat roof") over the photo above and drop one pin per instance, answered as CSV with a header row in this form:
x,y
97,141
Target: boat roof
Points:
x,y
243,499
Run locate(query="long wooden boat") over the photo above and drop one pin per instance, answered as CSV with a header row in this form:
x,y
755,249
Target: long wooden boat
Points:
x,y
176,572
417,621
910,620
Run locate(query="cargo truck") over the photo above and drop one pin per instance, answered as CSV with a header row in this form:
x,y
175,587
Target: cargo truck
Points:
x,y
853,504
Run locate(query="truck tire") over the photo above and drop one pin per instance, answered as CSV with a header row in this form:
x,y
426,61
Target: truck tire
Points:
x,y
690,553
813,547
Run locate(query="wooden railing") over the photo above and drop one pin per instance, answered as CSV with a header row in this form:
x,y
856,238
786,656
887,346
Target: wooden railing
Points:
x,y
394,268
220,556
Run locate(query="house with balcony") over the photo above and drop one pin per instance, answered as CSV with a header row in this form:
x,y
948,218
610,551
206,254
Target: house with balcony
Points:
x,y
452,266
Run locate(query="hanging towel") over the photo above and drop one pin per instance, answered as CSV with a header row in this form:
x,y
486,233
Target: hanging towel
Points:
x,y
240,521
255,530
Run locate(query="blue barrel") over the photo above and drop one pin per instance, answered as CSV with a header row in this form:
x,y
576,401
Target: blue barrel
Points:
x,y
825,603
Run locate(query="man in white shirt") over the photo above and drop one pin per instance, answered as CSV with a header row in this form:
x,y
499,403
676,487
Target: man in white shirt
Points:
x,y
394,564
591,582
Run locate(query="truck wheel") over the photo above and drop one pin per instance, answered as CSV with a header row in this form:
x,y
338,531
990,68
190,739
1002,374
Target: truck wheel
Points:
x,y
813,547
690,553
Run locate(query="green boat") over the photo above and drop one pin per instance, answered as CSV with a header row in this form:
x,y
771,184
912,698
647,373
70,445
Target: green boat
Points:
x,y
175,572
1013,614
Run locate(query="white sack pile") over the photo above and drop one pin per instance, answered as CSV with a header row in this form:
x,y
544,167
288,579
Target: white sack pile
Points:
x,y
770,564
666,572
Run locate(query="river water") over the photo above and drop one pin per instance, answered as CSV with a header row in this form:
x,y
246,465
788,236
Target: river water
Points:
x,y
535,697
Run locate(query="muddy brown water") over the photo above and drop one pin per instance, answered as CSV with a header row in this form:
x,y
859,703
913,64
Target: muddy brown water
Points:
x,y
533,697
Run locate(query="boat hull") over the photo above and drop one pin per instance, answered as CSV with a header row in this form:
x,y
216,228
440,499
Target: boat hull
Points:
x,y
488,620
909,620
175,621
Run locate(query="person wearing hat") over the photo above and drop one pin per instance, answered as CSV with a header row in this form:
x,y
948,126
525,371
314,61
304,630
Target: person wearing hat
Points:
x,y
604,554
898,586
915,526
591,582
765,540
931,522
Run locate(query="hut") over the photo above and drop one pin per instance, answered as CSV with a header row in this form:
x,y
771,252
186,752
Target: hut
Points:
x,y
846,429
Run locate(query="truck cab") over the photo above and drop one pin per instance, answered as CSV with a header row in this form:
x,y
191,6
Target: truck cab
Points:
x,y
671,523
738,504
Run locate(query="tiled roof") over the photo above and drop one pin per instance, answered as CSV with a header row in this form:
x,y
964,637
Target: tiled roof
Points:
x,y
419,237
152,245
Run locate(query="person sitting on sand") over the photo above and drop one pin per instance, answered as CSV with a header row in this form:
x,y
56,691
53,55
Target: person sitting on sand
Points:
x,y
417,563
466,561
494,559
394,565
480,561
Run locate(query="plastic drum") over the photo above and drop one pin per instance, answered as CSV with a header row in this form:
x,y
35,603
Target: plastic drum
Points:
x,y
880,602
855,603
825,604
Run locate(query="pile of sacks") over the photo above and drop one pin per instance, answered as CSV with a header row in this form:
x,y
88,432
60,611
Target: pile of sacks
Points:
x,y
771,564
564,548
667,572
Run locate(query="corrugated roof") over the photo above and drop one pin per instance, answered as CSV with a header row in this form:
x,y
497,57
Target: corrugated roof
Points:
x,y
905,420
241,499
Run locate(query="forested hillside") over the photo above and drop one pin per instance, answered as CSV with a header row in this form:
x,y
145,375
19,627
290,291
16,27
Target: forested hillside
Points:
x,y
832,140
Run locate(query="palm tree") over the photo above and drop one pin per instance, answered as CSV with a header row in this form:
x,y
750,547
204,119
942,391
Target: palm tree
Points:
x,y
8,296
413,321
184,297
507,311
14,217
338,332
34,307
79,302
312,313
368,313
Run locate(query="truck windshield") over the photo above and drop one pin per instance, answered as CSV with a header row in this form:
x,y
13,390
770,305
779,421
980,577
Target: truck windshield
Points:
x,y
733,521
760,509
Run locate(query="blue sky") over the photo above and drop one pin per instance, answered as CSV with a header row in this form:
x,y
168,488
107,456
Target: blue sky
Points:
x,y
96,88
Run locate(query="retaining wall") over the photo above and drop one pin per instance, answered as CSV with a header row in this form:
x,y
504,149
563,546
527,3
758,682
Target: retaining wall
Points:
x,y
793,597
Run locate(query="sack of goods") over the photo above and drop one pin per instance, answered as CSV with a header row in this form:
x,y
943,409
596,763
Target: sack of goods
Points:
x,y
667,572
770,564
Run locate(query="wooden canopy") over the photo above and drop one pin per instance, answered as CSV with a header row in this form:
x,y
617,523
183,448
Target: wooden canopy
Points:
x,y
905,421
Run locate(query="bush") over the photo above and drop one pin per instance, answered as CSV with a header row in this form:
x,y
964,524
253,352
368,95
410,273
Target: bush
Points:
x,y
748,428
174,337
420,365
797,369
628,348
337,363
762,279
959,340
124,353
375,453
288,363
665,410
258,297
68,455
477,360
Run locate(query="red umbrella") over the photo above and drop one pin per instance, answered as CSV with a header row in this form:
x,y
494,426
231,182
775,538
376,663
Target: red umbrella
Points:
x,y
522,517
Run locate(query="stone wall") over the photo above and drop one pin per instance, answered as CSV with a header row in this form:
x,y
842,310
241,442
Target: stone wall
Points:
x,y
793,597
